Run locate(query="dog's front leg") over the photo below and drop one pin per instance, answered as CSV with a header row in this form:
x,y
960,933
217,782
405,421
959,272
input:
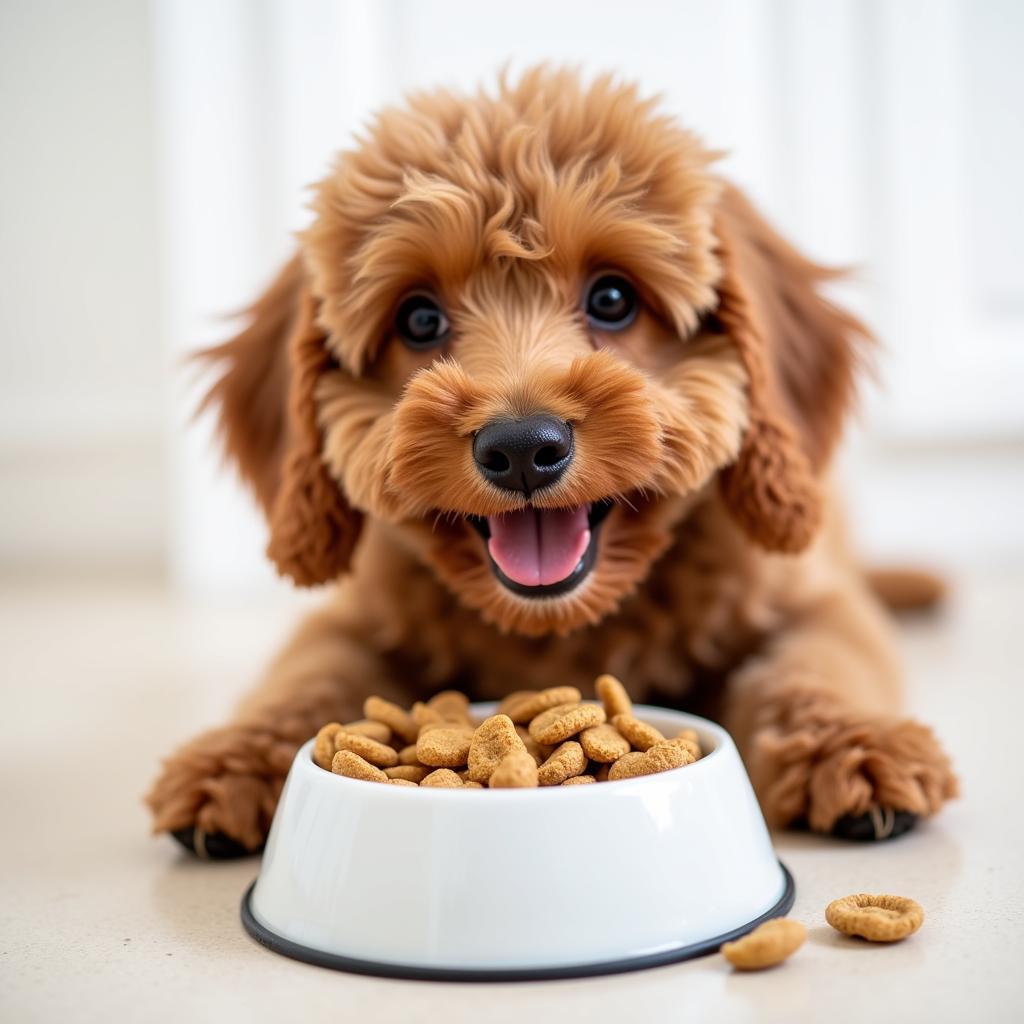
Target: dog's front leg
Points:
x,y
217,793
816,717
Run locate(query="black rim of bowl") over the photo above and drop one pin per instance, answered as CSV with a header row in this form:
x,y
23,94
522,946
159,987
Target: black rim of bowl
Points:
x,y
382,969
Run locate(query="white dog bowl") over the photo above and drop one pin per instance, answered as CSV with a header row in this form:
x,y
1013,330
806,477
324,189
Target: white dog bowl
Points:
x,y
506,884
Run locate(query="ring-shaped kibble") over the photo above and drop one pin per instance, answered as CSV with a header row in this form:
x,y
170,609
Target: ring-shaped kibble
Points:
x,y
877,918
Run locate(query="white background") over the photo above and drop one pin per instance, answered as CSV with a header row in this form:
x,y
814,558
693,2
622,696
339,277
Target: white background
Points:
x,y
153,165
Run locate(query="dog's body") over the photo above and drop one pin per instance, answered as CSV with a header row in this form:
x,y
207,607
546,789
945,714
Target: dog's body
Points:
x,y
556,264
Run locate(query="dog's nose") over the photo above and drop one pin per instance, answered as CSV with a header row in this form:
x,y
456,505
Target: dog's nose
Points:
x,y
524,455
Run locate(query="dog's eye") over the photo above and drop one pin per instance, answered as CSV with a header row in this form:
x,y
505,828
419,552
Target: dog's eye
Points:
x,y
611,303
420,322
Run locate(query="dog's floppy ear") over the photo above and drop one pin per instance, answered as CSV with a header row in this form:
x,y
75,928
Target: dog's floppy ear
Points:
x,y
800,353
267,414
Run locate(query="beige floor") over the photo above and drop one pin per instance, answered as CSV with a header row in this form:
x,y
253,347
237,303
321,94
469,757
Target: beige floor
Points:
x,y
99,922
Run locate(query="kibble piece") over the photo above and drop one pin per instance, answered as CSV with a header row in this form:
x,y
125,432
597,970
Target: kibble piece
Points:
x,y
378,754
565,720
662,757
579,780
397,719
604,743
514,700
470,784
687,744
375,730
439,724
601,772
410,772
494,739
352,766
452,706
407,755
423,715
323,748
688,734
768,944
525,705
640,735
567,760
532,746
613,697
402,782
516,770
442,778
879,918
444,746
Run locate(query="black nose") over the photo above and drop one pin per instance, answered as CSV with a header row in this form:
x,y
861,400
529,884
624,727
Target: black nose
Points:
x,y
524,455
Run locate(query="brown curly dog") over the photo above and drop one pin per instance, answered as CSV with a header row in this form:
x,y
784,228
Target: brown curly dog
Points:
x,y
547,398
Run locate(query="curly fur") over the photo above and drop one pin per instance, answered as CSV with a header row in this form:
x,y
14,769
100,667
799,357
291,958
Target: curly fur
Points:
x,y
722,578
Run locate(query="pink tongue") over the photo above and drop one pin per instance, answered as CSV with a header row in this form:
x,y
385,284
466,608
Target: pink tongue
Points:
x,y
538,546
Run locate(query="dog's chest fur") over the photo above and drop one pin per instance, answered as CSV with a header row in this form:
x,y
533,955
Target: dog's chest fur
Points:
x,y
703,607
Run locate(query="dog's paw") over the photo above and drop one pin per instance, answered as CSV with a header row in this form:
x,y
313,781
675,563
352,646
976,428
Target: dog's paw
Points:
x,y
854,777
212,845
217,794
879,823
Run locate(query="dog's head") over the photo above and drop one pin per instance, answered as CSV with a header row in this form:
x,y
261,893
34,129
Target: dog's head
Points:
x,y
529,331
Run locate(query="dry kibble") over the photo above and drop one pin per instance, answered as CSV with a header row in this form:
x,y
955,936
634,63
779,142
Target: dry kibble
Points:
x,y
604,743
442,778
444,746
768,944
397,719
879,918
567,760
378,754
687,744
640,735
537,738
423,715
565,720
514,700
494,739
323,748
516,770
439,724
352,766
532,746
525,705
662,757
613,697
409,772
375,730
452,706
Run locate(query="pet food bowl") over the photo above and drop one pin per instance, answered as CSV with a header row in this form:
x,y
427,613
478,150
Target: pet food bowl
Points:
x,y
518,883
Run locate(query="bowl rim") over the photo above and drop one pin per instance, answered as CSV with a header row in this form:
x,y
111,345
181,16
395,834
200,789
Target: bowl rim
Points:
x,y
304,762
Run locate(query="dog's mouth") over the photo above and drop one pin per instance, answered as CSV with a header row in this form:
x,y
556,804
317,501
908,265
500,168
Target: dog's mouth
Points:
x,y
542,552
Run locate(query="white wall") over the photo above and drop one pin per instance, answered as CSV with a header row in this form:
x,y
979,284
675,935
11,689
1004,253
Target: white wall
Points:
x,y
81,474
178,136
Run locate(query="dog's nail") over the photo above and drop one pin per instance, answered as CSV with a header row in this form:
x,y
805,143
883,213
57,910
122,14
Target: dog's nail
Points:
x,y
211,845
879,823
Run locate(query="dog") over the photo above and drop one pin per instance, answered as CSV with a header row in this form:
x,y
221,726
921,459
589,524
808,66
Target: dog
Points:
x,y
545,397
